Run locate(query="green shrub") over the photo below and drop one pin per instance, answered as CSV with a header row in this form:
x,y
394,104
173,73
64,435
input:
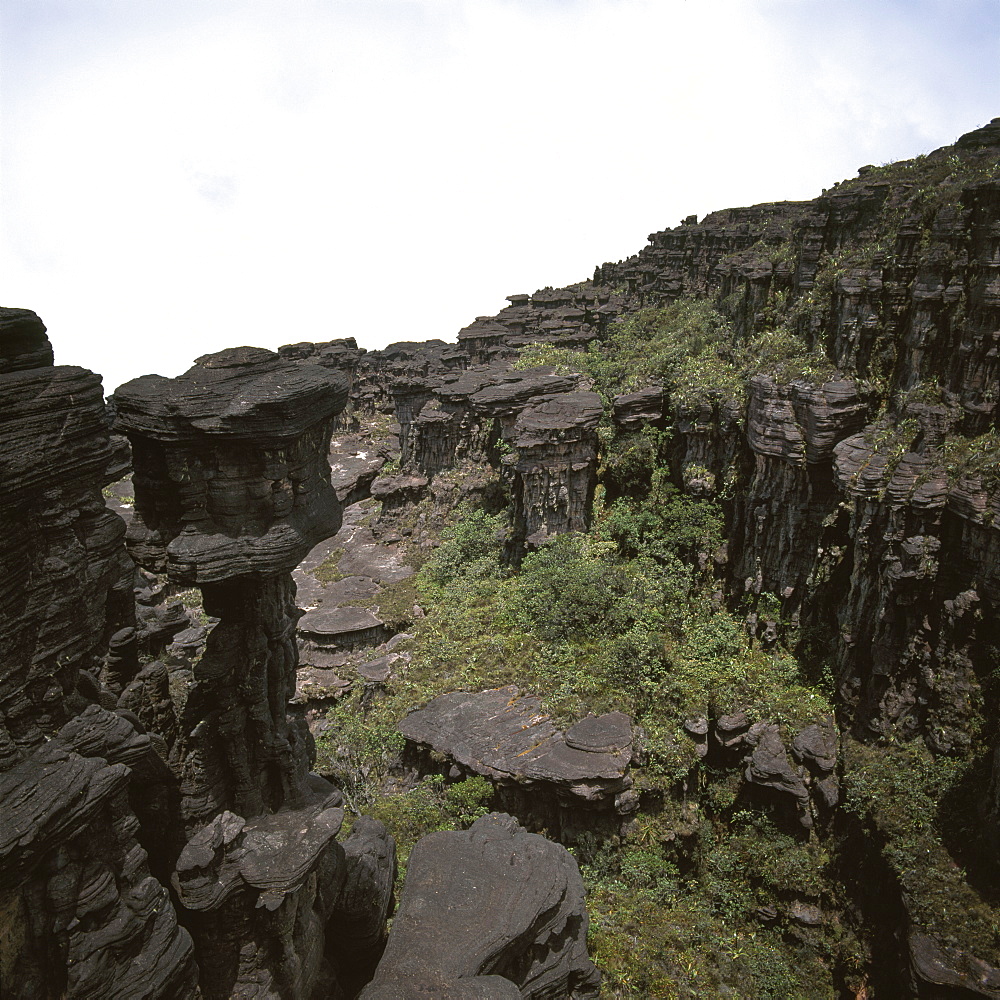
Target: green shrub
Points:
x,y
665,525
358,750
564,360
327,571
471,547
467,800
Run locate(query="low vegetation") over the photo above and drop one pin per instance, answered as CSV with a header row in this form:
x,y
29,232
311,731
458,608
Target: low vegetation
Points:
x,y
713,890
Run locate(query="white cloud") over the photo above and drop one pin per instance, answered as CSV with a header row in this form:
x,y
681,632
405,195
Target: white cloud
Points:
x,y
186,177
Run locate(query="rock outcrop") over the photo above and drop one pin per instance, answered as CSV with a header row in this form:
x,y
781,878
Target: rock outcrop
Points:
x,y
546,777
491,912
567,317
538,430
232,491
80,911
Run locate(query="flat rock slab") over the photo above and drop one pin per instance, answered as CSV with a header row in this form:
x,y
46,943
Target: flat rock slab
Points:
x,y
353,465
332,625
504,735
350,588
321,657
610,733
366,557
380,670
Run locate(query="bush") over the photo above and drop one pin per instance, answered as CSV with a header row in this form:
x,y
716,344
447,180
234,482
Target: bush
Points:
x,y
473,546
358,750
666,525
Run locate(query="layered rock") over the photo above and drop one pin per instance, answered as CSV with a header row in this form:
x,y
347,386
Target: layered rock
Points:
x,y
65,582
232,491
491,912
79,909
559,781
536,428
568,317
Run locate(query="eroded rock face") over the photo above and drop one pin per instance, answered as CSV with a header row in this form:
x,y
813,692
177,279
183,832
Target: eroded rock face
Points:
x,y
567,317
232,491
79,909
65,585
536,428
468,896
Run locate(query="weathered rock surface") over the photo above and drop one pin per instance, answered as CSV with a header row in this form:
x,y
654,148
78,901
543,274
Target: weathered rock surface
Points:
x,y
568,317
79,909
504,736
65,582
468,896
232,492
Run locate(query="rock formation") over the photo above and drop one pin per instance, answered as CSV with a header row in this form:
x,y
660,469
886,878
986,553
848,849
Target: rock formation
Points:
x,y
158,808
470,903
539,771
232,491
79,910
536,428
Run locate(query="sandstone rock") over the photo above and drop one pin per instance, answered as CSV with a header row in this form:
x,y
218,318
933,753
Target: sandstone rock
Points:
x,y
364,900
232,492
342,628
503,735
231,474
556,454
490,912
81,910
634,410
768,765
938,966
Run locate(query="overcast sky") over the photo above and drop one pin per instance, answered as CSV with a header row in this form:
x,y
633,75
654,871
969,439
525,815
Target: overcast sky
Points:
x,y
180,176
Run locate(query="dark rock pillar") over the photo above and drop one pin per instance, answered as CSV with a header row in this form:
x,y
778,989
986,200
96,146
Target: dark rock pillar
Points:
x,y
232,490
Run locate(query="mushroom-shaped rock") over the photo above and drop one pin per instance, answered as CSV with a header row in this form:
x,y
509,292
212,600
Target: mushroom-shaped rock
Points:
x,y
233,490
490,912
231,470
342,628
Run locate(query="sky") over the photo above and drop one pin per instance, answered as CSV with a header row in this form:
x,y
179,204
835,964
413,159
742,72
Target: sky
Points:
x,y
180,176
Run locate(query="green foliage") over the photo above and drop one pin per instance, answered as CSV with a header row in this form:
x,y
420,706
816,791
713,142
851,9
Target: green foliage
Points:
x,y
633,461
897,791
666,525
192,601
685,345
656,934
121,491
787,357
327,571
358,749
413,814
468,800
471,548
563,360
575,587
432,805
393,603
973,458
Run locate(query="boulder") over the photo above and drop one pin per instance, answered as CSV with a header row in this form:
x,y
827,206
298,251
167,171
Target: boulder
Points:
x,y
491,912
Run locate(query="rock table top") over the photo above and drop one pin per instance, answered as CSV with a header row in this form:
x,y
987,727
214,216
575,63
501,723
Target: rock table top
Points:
x,y
327,624
504,735
231,471
243,392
